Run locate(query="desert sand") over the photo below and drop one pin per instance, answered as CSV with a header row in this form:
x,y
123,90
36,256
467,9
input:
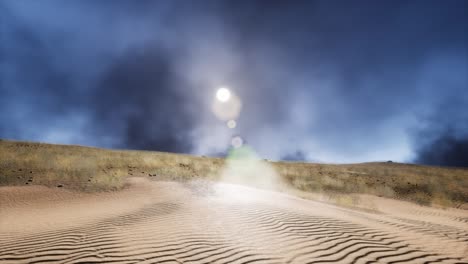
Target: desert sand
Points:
x,y
211,222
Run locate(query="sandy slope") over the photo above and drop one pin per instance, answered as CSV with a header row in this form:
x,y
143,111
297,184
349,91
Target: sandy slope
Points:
x,y
201,222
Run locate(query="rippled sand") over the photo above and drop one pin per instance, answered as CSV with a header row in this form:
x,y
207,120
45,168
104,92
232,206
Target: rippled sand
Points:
x,y
202,222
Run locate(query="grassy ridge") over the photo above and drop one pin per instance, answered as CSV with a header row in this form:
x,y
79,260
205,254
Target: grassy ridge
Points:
x,y
93,169
425,185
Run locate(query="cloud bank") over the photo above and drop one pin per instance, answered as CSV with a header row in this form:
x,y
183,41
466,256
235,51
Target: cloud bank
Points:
x,y
328,81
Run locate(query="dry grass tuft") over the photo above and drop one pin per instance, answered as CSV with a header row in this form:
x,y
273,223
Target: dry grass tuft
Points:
x,y
93,169
425,185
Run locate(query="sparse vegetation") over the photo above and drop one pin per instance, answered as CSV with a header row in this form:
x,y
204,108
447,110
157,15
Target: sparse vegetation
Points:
x,y
425,185
93,169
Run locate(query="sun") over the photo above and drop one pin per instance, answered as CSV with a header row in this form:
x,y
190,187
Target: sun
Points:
x,y
223,94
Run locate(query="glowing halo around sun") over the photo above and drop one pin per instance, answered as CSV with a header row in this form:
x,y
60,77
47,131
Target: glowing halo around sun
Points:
x,y
226,106
223,94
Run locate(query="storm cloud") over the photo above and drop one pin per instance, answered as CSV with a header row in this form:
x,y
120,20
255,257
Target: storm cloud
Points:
x,y
330,81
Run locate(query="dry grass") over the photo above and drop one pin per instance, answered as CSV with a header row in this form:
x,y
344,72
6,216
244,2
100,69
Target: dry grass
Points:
x,y
93,169
426,185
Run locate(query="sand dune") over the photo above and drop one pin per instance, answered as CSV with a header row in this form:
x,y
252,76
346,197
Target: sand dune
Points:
x,y
204,222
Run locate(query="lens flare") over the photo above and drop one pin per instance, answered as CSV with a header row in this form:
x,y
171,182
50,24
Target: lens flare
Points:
x,y
223,94
231,124
245,167
237,142
227,110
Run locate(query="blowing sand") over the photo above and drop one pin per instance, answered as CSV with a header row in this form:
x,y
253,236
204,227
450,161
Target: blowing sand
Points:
x,y
203,222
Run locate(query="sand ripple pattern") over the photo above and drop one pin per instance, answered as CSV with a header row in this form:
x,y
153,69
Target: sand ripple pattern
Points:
x,y
232,224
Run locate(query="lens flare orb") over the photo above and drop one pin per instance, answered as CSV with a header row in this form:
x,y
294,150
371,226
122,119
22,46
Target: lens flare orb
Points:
x,y
232,124
237,142
226,105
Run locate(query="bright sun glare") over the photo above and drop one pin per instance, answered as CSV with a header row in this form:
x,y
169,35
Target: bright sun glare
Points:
x,y
223,94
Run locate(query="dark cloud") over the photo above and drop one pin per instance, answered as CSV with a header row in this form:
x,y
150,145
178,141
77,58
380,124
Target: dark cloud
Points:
x,y
143,97
31,87
442,138
446,150
340,81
